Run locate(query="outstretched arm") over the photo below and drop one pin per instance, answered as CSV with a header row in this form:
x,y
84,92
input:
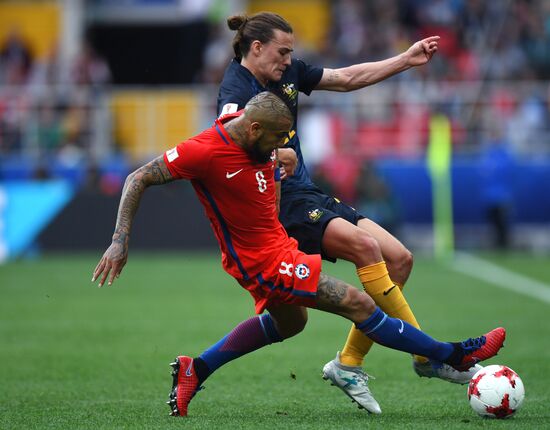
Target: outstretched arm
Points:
x,y
365,74
114,259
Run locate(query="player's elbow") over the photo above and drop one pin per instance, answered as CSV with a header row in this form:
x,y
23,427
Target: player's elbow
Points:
x,y
346,81
352,80
132,177
135,180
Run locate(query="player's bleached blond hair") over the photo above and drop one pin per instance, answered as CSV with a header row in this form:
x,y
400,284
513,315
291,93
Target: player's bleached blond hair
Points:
x,y
268,107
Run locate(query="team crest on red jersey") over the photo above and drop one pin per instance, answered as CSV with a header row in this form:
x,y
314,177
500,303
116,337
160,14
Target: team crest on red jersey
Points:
x,y
302,271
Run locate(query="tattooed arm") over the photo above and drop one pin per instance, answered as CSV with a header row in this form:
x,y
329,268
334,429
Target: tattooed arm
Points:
x,y
365,74
114,259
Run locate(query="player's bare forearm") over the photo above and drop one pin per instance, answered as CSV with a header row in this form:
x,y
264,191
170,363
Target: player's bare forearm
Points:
x,y
115,257
362,75
153,173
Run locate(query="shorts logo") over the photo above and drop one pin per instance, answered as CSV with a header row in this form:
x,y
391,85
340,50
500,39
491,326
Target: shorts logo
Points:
x,y
286,268
302,271
315,214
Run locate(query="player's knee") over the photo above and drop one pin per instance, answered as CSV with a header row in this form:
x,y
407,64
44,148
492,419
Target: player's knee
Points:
x,y
405,261
293,326
359,305
400,267
365,248
298,325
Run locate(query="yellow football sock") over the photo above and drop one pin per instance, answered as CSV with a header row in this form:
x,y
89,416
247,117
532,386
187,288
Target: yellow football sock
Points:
x,y
378,285
357,346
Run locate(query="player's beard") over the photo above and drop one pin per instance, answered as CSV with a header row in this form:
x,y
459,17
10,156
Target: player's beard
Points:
x,y
259,156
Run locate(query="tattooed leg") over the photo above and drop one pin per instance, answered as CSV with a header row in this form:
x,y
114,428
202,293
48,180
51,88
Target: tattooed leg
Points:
x,y
338,297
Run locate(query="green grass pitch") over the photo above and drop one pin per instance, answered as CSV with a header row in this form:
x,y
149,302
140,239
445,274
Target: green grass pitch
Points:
x,y
73,356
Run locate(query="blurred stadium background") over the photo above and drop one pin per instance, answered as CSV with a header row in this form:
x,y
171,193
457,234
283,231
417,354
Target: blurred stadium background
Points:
x,y
91,89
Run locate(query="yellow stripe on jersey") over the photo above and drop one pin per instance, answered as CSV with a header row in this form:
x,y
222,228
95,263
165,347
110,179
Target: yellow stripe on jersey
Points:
x,y
290,136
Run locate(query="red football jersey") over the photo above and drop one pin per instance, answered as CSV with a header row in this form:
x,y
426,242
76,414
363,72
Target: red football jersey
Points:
x,y
238,195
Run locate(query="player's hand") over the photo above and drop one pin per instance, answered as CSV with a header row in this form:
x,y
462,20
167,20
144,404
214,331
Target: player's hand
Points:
x,y
422,51
111,264
288,160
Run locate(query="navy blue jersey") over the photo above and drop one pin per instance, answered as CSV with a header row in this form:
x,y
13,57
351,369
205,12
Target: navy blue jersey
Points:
x,y
239,85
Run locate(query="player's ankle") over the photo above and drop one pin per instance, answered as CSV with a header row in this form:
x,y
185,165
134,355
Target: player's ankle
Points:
x,y
201,369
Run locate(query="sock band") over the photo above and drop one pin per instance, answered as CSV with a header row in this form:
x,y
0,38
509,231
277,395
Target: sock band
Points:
x,y
268,326
373,322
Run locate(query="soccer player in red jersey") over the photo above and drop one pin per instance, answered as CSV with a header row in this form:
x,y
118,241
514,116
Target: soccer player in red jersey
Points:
x,y
232,169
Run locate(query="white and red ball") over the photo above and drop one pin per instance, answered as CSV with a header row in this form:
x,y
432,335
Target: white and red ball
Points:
x,y
496,391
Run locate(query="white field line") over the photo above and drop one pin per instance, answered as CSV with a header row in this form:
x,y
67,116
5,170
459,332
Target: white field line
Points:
x,y
500,277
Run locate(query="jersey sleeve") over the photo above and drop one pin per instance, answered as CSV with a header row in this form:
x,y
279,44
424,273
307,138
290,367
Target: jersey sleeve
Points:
x,y
231,100
308,76
188,160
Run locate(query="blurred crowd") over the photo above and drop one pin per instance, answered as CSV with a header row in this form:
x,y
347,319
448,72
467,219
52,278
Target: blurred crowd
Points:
x,y
495,40
48,111
505,39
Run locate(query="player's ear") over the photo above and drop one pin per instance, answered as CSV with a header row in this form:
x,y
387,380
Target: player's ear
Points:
x,y
256,47
255,130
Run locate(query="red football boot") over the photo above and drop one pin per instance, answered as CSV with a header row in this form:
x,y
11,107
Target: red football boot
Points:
x,y
481,348
184,386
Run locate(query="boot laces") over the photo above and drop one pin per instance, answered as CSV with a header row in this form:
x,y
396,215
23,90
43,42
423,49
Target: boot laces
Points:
x,y
473,344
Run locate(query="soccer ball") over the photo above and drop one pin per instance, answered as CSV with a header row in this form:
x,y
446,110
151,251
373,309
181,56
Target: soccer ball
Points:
x,y
496,392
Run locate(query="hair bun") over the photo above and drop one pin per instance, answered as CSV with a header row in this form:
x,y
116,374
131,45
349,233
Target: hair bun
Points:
x,y
235,22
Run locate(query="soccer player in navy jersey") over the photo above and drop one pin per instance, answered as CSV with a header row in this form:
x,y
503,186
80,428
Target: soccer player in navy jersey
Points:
x,y
232,169
263,46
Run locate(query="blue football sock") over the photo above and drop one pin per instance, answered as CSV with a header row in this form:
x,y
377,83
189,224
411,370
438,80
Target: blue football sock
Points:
x,y
246,337
397,334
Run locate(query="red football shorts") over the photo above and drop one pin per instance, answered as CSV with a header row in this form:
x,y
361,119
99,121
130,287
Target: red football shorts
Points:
x,y
292,279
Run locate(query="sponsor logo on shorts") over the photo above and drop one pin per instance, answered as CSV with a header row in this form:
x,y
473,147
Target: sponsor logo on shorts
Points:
x,y
315,214
302,271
